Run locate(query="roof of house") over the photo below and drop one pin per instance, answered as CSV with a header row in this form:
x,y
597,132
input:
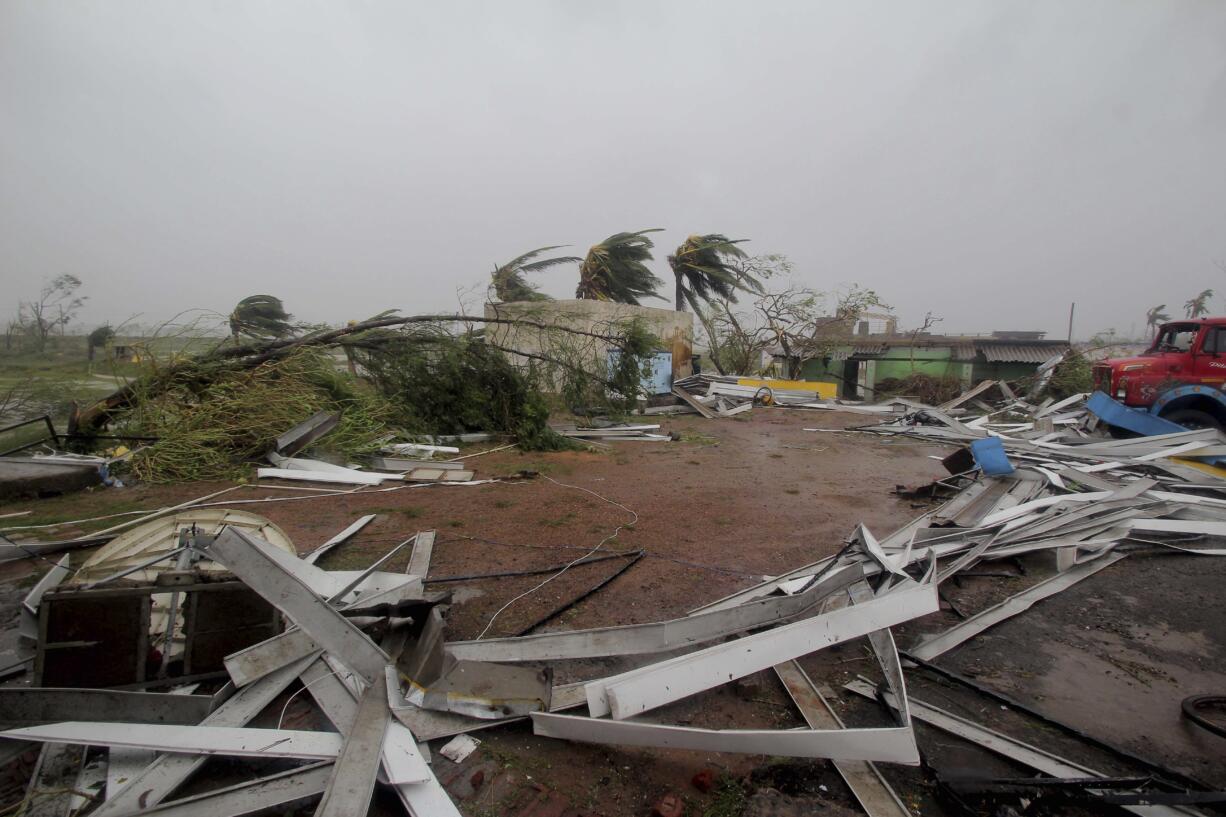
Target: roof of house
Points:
x,y
962,349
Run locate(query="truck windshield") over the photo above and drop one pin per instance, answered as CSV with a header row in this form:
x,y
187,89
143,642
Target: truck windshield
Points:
x,y
1175,338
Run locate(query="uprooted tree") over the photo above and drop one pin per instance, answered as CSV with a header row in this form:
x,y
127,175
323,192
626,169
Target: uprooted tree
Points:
x,y
423,374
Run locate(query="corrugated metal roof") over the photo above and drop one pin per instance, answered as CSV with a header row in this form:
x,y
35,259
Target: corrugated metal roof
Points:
x,y
962,351
859,350
1019,353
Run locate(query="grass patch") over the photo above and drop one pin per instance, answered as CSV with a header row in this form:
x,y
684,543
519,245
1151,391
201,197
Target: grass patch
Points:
x,y
503,504
699,438
728,798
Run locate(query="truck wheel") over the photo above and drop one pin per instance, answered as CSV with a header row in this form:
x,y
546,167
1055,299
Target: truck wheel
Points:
x,y
1191,418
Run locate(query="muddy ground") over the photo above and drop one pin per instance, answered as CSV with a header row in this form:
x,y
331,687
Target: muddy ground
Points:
x,y
730,502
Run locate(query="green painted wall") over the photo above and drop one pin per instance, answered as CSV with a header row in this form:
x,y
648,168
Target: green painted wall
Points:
x,y
816,370
933,361
1003,371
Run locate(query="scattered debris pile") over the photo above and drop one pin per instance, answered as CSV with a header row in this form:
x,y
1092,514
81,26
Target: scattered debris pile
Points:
x,y
369,647
727,395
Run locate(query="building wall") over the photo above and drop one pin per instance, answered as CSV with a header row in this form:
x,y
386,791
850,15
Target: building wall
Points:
x,y
1003,371
675,330
934,361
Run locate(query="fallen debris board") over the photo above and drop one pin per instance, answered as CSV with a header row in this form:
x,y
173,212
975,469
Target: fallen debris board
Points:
x,y
266,795
973,626
123,764
1031,756
693,403
33,705
53,780
353,777
432,474
256,661
340,538
459,747
326,627
159,779
419,561
890,744
334,477
971,394
641,690
660,636
52,578
394,464
202,740
870,789
305,433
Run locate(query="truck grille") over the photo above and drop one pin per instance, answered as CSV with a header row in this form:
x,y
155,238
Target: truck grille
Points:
x,y
1102,379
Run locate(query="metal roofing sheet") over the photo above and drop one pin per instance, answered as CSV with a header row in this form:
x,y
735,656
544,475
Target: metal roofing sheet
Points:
x,y
1019,353
962,351
859,350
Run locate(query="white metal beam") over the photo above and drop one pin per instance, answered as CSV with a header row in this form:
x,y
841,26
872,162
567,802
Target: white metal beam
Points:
x,y
643,689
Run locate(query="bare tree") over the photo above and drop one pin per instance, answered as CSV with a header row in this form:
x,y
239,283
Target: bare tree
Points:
x,y
57,304
930,321
801,323
803,326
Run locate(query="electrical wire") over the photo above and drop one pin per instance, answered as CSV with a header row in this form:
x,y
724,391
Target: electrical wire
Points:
x,y
598,547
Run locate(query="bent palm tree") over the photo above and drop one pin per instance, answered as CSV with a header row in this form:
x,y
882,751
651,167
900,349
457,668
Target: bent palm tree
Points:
x,y
509,282
1199,305
703,267
260,316
614,270
1155,316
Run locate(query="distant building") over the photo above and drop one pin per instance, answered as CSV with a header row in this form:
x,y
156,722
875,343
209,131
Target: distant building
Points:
x,y
863,362
675,331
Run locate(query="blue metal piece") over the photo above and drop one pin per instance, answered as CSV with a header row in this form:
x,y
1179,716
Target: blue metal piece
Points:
x,y
989,454
1130,419
1209,392
660,379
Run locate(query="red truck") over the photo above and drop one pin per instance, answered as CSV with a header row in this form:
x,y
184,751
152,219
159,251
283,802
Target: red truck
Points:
x,y
1179,378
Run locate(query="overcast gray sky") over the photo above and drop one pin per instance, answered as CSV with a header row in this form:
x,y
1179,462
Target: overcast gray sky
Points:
x,y
987,161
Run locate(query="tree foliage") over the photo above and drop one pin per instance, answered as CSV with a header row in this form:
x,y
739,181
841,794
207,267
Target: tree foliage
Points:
x,y
1155,316
260,316
1199,305
54,308
613,270
99,338
797,323
705,268
509,283
808,325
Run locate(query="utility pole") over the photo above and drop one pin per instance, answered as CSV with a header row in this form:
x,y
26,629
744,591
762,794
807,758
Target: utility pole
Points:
x,y
1071,308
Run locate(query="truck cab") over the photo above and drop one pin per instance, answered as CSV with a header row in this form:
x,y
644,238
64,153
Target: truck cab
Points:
x,y
1179,377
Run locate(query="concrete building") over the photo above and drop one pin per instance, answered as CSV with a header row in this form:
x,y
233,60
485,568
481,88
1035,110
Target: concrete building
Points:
x,y
863,362
675,331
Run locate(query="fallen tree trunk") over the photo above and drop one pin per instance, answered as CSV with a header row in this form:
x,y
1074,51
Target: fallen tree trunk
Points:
x,y
95,417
